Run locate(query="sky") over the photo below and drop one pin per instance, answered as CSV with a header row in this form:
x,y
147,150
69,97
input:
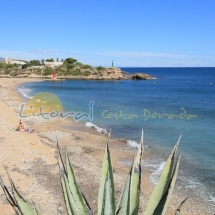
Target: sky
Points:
x,y
147,33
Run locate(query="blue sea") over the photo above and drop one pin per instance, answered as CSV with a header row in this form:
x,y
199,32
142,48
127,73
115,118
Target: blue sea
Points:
x,y
178,101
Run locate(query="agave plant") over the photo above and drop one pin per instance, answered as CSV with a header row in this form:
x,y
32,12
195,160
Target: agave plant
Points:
x,y
19,204
76,203
129,200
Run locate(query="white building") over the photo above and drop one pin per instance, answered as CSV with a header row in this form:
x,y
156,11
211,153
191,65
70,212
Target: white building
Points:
x,y
15,61
52,64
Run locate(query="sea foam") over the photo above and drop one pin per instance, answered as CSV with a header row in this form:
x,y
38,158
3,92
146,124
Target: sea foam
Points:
x,y
132,143
99,129
24,92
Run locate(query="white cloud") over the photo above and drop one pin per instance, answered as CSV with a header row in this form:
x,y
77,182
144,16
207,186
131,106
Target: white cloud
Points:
x,y
140,54
187,63
44,50
131,54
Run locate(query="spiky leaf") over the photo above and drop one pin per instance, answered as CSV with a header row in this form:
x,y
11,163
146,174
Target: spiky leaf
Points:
x,y
19,204
135,182
123,205
77,195
108,207
106,166
163,183
129,200
163,204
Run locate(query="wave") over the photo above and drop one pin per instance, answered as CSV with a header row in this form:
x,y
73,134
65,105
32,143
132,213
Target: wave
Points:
x,y
99,129
151,78
185,183
24,92
156,174
191,183
132,143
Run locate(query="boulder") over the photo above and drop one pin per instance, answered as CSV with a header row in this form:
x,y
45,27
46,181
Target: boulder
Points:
x,y
140,76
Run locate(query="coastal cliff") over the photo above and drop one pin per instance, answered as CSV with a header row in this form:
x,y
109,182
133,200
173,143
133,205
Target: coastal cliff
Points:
x,y
92,74
69,69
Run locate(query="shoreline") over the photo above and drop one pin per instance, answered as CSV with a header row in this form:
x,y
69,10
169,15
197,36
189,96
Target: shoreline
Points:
x,y
41,146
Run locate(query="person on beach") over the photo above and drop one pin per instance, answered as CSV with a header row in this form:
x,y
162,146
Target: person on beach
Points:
x,y
21,128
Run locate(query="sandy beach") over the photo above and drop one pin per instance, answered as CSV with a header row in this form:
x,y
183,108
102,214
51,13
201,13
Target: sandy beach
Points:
x,y
31,159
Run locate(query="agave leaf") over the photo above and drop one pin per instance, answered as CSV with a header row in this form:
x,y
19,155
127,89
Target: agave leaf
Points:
x,y
77,195
123,205
129,199
163,183
135,180
74,198
108,208
38,212
163,204
62,180
86,202
179,207
66,198
106,166
10,197
171,186
23,207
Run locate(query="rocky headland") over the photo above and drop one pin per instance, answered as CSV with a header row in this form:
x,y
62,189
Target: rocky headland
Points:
x,y
70,68
87,74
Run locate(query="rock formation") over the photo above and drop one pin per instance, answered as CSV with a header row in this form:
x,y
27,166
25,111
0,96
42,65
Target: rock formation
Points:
x,y
91,73
141,76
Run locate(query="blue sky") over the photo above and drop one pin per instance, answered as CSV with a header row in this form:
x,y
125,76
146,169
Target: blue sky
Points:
x,y
146,33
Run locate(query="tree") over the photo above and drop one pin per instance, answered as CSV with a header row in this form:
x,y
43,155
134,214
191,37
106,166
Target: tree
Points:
x,y
70,60
57,60
62,60
50,60
24,66
35,62
42,61
2,65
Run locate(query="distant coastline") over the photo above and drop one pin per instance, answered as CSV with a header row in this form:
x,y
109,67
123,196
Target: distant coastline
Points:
x,y
69,68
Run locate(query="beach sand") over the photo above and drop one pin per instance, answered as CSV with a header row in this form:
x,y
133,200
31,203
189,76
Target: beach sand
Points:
x,y
31,160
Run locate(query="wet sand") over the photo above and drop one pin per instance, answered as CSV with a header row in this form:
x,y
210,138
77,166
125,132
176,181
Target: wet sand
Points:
x,y
32,160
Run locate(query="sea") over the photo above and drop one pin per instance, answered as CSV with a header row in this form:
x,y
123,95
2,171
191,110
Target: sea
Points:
x,y
176,101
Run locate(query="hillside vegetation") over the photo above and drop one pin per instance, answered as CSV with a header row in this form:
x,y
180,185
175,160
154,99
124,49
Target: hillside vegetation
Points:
x,y
70,67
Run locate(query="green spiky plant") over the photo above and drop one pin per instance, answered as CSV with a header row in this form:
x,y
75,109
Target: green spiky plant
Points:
x,y
76,203
19,204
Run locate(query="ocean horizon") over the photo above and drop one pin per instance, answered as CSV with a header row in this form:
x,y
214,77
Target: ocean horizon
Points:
x,y
179,101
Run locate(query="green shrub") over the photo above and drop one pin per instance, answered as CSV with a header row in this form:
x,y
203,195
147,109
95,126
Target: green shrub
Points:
x,y
47,71
70,66
85,73
2,65
78,64
86,66
99,68
70,60
74,72
7,71
24,66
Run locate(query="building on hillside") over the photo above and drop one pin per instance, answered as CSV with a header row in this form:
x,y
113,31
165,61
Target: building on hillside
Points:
x,y
15,61
52,64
